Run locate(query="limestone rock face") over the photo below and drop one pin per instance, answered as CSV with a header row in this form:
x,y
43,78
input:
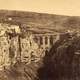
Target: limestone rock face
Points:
x,y
29,48
8,44
14,47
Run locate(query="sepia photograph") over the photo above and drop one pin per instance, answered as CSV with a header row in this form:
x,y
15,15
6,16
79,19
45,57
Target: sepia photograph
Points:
x,y
39,40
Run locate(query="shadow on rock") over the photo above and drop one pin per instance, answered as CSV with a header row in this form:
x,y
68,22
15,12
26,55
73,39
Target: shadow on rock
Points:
x,y
62,62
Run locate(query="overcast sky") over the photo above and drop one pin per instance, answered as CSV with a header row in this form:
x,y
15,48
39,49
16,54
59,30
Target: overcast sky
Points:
x,y
63,7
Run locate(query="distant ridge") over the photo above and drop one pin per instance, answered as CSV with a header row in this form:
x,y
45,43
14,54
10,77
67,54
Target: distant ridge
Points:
x,y
40,22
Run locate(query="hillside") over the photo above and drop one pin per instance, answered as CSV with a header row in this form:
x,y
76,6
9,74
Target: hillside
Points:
x,y
40,22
